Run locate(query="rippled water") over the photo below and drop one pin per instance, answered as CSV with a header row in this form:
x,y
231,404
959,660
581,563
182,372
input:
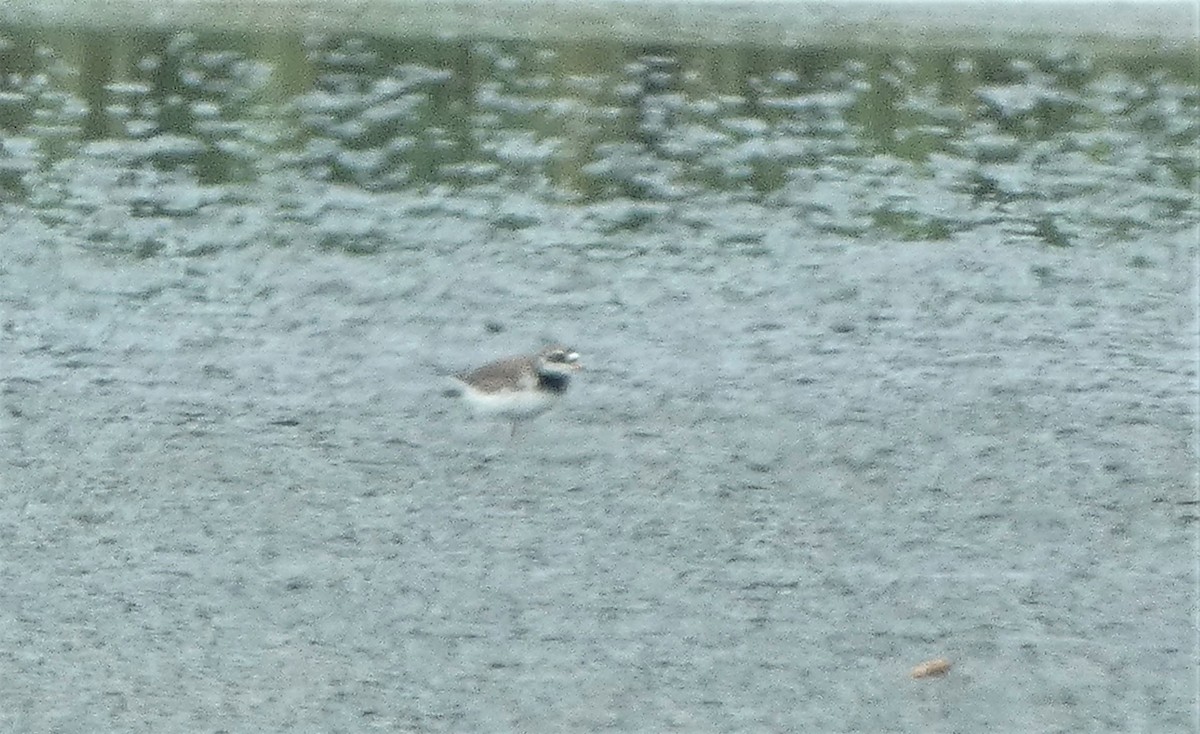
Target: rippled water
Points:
x,y
890,355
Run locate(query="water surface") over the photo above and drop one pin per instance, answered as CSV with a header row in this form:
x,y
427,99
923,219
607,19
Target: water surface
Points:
x,y
891,354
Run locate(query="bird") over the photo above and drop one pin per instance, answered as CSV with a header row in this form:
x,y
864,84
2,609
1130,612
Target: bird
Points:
x,y
519,388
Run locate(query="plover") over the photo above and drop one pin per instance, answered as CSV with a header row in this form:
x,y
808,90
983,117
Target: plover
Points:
x,y
520,388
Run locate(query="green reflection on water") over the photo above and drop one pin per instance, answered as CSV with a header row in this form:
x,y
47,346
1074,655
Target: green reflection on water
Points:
x,y
594,120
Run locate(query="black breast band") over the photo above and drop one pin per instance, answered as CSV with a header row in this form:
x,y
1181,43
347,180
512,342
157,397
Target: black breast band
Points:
x,y
552,382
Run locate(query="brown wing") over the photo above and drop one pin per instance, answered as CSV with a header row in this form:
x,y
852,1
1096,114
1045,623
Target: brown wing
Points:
x,y
506,374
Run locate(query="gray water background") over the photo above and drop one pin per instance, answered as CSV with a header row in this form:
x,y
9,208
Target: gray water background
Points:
x,y
890,354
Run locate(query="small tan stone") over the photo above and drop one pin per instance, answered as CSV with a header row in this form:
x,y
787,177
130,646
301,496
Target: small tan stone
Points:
x,y
930,668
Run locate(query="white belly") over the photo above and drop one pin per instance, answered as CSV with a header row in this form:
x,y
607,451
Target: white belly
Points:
x,y
514,405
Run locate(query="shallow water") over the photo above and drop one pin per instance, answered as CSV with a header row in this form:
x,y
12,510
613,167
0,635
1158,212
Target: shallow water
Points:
x,y
889,356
